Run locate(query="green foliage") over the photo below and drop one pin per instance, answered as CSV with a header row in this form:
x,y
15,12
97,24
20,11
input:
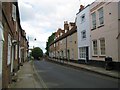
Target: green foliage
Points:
x,y
37,53
50,40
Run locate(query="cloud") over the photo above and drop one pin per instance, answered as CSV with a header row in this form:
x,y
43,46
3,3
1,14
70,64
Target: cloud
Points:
x,y
40,18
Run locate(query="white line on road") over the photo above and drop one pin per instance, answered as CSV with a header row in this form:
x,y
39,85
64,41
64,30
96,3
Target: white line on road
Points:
x,y
41,80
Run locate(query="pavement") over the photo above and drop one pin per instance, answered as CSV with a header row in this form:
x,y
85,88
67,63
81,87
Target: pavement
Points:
x,y
26,77
99,70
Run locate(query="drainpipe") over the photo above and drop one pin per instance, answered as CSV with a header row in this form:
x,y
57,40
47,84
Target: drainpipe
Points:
x,y
18,50
66,48
55,50
118,36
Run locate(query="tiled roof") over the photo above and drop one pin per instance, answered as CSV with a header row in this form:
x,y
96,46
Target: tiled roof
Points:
x,y
70,32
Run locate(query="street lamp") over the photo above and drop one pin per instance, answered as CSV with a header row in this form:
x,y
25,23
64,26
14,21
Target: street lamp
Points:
x,y
34,40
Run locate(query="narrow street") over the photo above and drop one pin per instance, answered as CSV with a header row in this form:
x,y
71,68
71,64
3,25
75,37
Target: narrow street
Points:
x,y
58,76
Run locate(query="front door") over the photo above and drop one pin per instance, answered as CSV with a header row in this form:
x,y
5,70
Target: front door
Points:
x,y
87,54
68,55
62,55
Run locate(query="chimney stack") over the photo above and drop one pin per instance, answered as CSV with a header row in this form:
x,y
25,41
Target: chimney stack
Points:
x,y
66,27
81,8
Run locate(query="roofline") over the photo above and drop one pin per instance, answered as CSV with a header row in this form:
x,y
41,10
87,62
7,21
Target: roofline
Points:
x,y
73,30
83,9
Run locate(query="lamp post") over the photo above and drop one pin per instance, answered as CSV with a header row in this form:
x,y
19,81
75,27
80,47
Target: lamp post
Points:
x,y
34,40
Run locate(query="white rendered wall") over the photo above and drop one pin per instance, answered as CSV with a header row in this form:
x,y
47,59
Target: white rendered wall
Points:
x,y
84,26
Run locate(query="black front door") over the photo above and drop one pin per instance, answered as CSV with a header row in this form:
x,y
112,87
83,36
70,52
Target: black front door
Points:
x,y
87,54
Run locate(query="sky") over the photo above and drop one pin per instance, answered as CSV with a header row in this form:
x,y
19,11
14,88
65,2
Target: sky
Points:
x,y
40,18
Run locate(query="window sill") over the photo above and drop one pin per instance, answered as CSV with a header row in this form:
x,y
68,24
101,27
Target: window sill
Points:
x,y
83,58
100,26
94,55
82,22
102,56
93,29
83,39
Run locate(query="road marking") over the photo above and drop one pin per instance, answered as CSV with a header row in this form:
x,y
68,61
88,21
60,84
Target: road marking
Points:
x,y
41,80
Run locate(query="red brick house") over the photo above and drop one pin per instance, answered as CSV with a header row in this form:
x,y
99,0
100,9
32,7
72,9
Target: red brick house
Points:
x,y
23,47
8,30
12,36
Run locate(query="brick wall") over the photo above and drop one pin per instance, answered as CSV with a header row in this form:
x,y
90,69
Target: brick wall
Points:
x,y
8,29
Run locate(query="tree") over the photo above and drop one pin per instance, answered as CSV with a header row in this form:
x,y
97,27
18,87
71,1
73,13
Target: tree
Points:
x,y
50,40
37,53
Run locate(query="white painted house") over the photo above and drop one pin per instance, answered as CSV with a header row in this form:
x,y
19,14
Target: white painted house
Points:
x,y
83,31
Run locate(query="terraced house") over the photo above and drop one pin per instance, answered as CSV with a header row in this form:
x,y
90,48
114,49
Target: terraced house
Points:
x,y
105,31
10,38
23,54
98,35
58,49
83,32
65,43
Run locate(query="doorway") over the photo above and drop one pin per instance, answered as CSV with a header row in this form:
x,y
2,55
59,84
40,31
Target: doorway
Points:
x,y
87,54
68,51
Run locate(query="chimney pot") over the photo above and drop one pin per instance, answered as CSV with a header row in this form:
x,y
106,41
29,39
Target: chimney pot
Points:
x,y
81,7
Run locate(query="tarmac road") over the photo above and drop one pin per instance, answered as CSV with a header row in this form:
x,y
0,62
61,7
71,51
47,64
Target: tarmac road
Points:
x,y
58,76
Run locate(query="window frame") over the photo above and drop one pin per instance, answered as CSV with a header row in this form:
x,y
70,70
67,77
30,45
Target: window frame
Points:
x,y
94,21
82,52
9,50
101,16
102,48
81,17
95,53
83,36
